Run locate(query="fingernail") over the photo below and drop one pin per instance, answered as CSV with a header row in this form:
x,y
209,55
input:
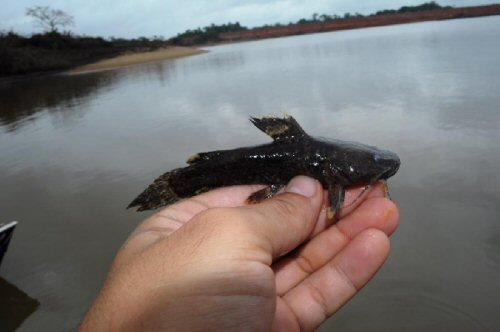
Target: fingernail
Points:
x,y
302,185
387,214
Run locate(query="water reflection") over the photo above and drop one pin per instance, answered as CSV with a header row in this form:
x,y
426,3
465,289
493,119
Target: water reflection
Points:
x,y
21,100
228,60
491,244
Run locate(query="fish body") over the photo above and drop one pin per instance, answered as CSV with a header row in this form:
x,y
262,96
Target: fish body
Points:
x,y
335,163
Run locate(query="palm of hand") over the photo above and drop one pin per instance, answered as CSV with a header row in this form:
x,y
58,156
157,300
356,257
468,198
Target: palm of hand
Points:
x,y
235,279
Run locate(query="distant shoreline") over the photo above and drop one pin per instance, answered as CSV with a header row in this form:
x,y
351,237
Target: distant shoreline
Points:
x,y
358,23
54,52
133,58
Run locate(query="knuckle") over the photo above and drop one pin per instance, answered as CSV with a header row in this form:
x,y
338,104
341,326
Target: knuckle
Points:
x,y
292,211
305,264
287,208
319,298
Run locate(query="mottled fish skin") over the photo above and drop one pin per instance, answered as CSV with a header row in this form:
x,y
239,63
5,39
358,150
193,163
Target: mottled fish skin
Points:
x,y
336,164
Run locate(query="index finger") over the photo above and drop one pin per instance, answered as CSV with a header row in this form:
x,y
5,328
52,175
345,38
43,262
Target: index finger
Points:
x,y
174,216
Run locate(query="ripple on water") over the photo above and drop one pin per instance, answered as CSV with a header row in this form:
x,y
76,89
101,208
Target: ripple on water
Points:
x,y
491,247
434,311
402,308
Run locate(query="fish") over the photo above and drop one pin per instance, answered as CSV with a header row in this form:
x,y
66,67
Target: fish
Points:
x,y
336,164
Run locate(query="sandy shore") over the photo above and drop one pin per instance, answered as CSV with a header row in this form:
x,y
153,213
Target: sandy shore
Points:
x,y
136,58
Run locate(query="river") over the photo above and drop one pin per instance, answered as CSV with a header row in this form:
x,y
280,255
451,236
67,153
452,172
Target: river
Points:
x,y
75,149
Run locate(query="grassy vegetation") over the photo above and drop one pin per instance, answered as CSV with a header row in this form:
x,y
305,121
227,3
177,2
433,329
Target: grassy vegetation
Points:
x,y
52,51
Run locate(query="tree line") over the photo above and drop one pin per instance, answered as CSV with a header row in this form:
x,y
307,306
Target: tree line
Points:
x,y
210,34
405,9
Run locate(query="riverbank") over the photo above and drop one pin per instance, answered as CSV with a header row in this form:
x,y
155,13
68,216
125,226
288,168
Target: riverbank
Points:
x,y
51,52
137,58
358,23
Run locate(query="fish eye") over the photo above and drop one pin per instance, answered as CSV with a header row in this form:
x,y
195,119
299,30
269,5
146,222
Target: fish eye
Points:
x,y
377,157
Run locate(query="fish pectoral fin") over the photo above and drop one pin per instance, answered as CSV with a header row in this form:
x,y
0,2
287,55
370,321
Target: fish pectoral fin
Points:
x,y
387,194
267,192
336,195
280,129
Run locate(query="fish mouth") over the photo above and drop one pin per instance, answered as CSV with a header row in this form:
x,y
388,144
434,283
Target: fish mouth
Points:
x,y
390,171
388,163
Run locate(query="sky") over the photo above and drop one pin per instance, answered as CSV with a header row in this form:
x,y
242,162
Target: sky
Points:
x,y
167,18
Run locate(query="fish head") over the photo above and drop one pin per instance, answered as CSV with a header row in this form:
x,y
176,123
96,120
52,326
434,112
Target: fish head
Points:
x,y
386,163
358,163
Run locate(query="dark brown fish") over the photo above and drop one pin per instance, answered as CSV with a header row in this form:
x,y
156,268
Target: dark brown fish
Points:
x,y
336,164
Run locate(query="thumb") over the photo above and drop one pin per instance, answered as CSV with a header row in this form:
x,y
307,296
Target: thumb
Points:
x,y
286,220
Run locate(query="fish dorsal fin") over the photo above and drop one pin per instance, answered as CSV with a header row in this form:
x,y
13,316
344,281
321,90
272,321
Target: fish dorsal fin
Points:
x,y
280,129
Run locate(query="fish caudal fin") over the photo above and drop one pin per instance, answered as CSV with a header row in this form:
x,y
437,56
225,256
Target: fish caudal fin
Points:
x,y
158,194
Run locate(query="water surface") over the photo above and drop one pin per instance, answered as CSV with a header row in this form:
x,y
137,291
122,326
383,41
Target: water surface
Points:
x,y
74,150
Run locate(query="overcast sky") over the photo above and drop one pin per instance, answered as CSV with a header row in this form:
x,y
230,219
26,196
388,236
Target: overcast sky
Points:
x,y
134,18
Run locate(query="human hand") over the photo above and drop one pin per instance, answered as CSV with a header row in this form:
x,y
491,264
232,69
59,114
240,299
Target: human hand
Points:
x,y
212,263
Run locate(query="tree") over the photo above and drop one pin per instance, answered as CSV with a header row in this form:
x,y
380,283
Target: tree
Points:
x,y
325,17
49,19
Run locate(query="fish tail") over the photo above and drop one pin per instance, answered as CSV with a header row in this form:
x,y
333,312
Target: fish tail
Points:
x,y
159,193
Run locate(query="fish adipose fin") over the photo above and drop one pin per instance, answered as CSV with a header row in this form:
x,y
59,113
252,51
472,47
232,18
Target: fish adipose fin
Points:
x,y
158,194
280,129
